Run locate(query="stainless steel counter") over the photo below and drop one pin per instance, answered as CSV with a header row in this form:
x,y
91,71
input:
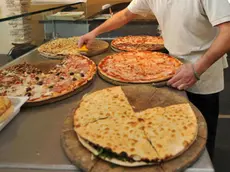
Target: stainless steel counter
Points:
x,y
31,141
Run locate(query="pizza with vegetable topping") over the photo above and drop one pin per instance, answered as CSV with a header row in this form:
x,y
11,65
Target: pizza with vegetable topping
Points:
x,y
138,43
139,67
26,80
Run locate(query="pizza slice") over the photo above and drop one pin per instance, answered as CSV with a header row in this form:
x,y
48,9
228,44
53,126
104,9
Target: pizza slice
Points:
x,y
6,108
102,104
171,130
118,139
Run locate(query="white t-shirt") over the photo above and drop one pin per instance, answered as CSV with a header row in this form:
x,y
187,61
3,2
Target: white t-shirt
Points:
x,y
188,31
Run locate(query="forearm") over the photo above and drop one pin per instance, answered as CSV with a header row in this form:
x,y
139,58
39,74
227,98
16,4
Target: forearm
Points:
x,y
117,21
219,47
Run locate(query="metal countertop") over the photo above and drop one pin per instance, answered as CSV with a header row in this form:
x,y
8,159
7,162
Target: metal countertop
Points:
x,y
31,141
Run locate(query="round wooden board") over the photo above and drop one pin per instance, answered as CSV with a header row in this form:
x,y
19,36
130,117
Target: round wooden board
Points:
x,y
97,47
55,99
141,97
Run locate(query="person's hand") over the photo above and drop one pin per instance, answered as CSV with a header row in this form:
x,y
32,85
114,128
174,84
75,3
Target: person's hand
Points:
x,y
184,78
86,39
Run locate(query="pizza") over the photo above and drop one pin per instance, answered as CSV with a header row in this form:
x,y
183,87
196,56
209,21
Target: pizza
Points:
x,y
138,43
26,80
6,108
107,126
61,47
139,67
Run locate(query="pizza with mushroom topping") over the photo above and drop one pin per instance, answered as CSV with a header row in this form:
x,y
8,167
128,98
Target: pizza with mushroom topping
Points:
x,y
26,80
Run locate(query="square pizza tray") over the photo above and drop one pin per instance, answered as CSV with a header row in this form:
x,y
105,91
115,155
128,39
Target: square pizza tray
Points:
x,y
17,102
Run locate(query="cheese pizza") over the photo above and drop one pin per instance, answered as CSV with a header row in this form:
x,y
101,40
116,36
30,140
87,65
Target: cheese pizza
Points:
x,y
139,67
137,43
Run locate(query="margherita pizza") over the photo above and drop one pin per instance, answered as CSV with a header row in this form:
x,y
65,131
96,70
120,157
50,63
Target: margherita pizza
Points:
x,y
138,43
107,125
27,80
138,67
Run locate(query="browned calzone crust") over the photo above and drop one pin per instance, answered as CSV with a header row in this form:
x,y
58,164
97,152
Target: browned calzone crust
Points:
x,y
6,108
105,119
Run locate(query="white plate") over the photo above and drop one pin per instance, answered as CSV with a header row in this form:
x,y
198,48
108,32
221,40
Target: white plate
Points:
x,y
17,103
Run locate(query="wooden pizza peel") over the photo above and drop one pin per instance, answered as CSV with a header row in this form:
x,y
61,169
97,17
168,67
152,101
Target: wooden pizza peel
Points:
x,y
97,47
141,97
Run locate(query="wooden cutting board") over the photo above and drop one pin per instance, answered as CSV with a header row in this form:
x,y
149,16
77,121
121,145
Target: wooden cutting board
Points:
x,y
97,47
141,97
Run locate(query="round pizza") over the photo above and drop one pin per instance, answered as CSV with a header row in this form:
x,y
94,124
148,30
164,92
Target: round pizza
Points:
x,y
27,80
139,67
137,43
6,108
107,125
61,47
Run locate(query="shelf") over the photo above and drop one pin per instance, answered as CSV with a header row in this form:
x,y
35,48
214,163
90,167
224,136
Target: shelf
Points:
x,y
36,12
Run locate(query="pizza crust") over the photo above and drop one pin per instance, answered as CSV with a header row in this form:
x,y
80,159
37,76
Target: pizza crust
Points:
x,y
52,56
111,79
7,113
5,104
112,160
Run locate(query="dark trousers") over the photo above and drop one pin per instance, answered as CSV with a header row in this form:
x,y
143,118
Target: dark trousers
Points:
x,y
209,107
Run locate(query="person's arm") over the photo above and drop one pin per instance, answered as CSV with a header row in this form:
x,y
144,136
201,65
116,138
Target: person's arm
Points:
x,y
116,21
219,47
185,77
